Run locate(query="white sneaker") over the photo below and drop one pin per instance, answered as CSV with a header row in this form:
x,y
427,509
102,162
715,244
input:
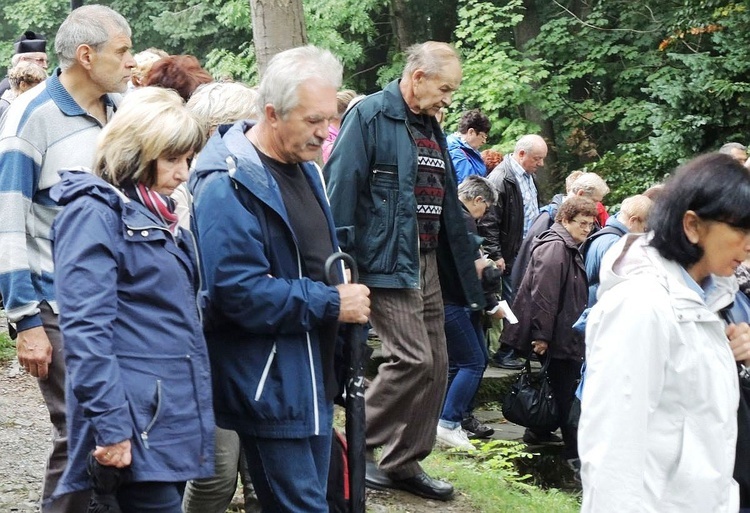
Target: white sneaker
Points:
x,y
454,438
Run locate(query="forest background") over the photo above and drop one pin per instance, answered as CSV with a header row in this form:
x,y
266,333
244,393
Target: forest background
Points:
x,y
628,89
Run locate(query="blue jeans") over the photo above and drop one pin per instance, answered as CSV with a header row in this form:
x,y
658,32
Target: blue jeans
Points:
x,y
151,497
467,360
290,474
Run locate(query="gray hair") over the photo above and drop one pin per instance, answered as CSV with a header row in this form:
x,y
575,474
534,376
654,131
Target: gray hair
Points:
x,y
589,184
430,57
91,25
290,69
219,103
728,147
475,186
638,206
528,142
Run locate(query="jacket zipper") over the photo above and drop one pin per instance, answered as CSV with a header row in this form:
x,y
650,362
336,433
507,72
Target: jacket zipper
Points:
x,y
264,375
144,434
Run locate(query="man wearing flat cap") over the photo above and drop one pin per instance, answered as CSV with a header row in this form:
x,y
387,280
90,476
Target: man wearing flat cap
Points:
x,y
29,47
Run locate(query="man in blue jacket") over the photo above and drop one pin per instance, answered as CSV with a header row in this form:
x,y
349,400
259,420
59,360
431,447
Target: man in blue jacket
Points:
x,y
394,199
264,231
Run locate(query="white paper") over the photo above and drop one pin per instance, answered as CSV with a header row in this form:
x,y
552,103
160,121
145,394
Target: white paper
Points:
x,y
509,315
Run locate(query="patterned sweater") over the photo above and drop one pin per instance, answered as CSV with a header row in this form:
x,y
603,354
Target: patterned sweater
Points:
x,y
44,131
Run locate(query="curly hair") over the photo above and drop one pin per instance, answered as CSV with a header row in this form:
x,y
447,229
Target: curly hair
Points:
x,y
474,119
491,159
575,206
183,73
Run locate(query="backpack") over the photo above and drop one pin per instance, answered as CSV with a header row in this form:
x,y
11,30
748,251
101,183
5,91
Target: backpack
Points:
x,y
607,230
338,476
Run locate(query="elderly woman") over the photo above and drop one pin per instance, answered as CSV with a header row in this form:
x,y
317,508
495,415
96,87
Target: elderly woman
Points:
x,y
138,384
467,351
552,295
21,77
473,128
659,408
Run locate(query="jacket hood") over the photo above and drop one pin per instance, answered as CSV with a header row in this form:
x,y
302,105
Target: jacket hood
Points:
x,y
632,257
75,183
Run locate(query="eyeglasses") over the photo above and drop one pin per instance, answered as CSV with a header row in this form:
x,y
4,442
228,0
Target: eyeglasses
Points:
x,y
585,225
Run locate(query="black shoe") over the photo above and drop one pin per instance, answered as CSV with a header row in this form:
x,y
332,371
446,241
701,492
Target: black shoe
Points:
x,y
425,486
532,438
376,478
508,362
475,429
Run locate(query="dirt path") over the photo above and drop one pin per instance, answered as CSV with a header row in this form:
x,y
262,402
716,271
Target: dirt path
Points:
x,y
25,439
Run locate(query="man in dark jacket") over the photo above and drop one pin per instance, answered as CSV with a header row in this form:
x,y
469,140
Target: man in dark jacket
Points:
x,y
508,221
394,201
264,231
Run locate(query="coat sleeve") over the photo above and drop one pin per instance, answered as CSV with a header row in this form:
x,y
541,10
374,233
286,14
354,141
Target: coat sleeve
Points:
x,y
346,173
547,273
86,289
627,342
489,228
238,276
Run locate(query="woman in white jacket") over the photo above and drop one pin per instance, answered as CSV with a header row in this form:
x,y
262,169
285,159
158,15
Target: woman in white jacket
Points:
x,y
658,424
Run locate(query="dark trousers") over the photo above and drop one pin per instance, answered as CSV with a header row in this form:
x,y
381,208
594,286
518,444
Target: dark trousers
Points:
x,y
564,376
150,497
53,392
290,475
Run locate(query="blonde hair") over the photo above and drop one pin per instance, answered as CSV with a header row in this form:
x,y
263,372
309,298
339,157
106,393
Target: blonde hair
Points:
x,y
28,72
143,63
219,103
151,122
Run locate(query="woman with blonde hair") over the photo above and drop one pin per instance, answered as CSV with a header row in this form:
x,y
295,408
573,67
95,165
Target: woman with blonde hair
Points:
x,y
138,385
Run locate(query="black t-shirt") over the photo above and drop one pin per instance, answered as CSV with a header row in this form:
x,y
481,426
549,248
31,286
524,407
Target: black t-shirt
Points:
x,y
306,216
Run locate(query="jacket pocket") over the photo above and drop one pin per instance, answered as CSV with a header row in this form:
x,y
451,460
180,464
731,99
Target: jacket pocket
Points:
x,y
264,375
379,246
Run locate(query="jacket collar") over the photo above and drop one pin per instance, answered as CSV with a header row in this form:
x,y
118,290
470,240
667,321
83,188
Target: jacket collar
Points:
x,y
65,101
394,105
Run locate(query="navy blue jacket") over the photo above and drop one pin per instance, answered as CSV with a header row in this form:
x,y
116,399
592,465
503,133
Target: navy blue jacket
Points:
x,y
264,319
136,360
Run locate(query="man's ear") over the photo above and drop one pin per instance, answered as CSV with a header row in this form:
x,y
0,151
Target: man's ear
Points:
x,y
417,76
85,56
272,116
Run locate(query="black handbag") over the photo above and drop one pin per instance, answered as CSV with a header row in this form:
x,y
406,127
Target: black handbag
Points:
x,y
530,401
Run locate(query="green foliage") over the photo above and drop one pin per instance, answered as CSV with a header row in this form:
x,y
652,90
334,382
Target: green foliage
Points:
x,y
7,347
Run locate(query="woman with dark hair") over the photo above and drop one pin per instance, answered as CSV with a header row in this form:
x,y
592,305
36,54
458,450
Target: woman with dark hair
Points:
x,y
658,423
183,73
138,378
552,295
473,128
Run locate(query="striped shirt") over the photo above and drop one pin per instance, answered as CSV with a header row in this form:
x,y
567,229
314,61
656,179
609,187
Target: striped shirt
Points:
x,y
528,192
43,131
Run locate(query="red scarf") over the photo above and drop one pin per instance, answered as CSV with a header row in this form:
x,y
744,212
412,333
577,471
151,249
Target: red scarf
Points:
x,y
159,205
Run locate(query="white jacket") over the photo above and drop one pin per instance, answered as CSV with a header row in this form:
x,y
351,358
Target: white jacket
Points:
x,y
659,411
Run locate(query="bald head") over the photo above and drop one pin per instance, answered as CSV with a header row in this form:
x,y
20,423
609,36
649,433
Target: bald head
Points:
x,y
530,152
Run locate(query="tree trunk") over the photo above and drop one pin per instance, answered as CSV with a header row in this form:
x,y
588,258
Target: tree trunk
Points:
x,y
400,17
524,32
278,25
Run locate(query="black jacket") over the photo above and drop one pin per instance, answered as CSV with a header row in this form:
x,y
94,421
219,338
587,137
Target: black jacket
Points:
x,y
502,226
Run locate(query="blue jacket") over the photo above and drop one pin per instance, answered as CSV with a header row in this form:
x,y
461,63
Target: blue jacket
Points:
x,y
593,251
264,319
371,176
466,160
136,360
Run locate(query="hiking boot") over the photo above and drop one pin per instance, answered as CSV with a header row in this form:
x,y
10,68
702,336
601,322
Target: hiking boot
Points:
x,y
475,429
454,438
531,438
